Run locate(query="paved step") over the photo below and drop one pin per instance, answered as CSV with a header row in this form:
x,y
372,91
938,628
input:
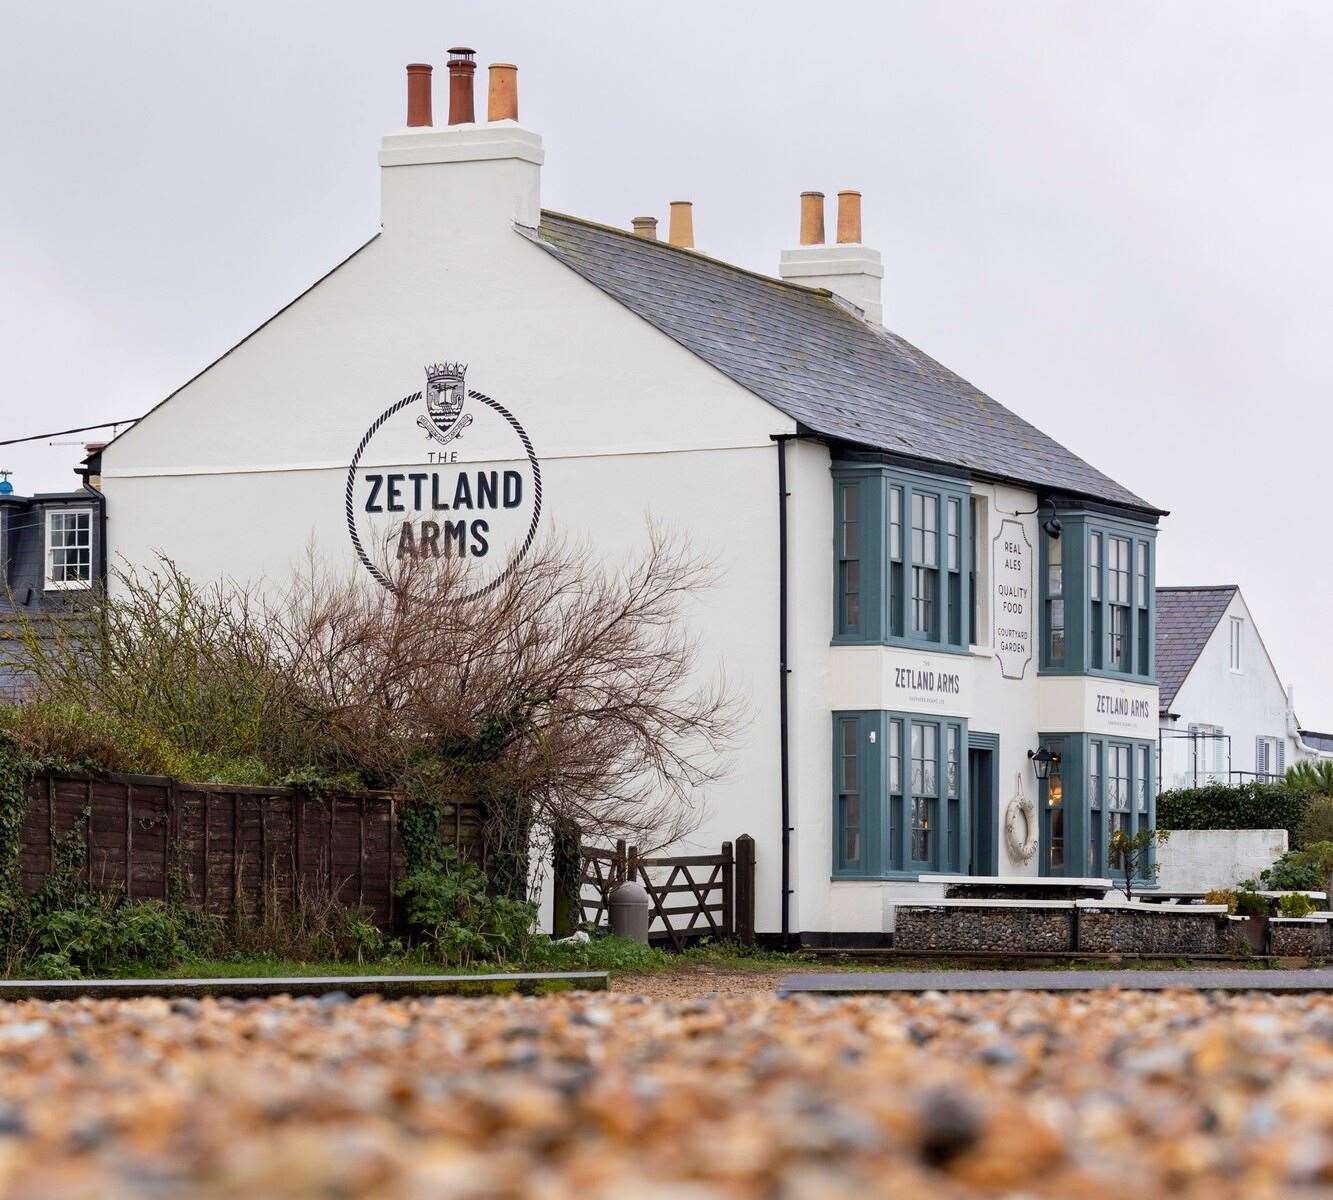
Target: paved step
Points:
x,y
388,986
860,982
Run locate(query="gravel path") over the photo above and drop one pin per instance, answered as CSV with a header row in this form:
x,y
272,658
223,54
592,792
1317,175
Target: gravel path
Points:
x,y
1098,1095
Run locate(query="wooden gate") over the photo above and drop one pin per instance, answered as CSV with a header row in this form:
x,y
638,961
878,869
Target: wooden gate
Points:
x,y
690,896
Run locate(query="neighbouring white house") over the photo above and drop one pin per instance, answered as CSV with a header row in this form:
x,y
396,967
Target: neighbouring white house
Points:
x,y
942,619
1225,714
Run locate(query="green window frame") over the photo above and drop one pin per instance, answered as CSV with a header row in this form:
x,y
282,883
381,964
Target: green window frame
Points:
x,y
904,558
850,524
1098,596
850,798
1106,783
899,795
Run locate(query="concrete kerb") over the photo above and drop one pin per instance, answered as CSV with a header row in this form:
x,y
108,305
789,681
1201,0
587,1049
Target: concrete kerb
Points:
x,y
887,982
389,987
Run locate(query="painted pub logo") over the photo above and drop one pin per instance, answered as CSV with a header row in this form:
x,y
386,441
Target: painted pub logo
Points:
x,y
446,495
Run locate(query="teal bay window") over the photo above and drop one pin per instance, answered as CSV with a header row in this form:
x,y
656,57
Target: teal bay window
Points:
x,y
900,795
1097,596
904,558
1101,784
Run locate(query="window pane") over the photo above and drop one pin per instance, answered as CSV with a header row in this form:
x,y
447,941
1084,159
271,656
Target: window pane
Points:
x,y
1095,566
1143,574
895,757
1055,570
851,829
925,588
851,538
1056,828
918,527
918,771
951,760
955,520
1118,570
851,596
69,547
895,523
1141,781
920,829
931,530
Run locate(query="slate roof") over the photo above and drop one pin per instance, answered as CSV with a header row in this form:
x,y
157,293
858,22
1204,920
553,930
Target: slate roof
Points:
x,y
1186,618
804,353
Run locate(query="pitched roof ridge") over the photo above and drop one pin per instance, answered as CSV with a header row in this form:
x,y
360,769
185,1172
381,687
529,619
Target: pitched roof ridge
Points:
x,y
1199,587
634,239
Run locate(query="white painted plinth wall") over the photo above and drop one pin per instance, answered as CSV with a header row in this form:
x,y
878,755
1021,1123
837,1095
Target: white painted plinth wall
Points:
x,y
1199,860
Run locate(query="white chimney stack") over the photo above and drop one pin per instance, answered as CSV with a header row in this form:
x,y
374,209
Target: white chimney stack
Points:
x,y
469,179
848,269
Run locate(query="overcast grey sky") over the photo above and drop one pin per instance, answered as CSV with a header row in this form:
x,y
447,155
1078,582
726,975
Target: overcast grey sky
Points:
x,y
1114,218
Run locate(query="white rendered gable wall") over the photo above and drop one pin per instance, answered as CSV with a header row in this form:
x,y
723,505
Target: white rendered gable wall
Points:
x,y
1245,704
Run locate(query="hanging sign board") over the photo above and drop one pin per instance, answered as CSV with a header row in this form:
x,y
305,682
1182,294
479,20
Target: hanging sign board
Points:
x,y
1012,601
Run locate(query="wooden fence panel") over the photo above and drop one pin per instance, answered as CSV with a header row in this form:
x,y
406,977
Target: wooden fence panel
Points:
x,y
221,847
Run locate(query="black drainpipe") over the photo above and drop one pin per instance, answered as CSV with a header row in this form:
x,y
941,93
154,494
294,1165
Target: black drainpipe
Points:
x,y
85,472
781,439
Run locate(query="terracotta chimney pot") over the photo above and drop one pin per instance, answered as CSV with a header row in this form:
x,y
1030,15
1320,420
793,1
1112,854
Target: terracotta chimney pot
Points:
x,y
502,98
812,218
418,94
849,216
461,69
645,227
680,231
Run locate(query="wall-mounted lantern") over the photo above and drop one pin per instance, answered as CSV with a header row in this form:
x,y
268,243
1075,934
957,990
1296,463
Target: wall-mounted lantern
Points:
x,y
1045,763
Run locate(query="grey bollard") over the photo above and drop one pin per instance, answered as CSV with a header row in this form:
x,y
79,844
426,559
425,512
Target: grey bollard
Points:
x,y
629,912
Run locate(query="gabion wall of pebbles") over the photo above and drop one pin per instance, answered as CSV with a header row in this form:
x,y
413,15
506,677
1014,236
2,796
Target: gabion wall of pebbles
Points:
x,y
1032,929
1043,928
1308,937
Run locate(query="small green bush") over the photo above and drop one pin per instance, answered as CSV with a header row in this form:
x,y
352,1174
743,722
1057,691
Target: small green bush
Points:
x,y
451,914
1318,825
1221,896
1293,872
99,933
1251,904
1248,806
1295,904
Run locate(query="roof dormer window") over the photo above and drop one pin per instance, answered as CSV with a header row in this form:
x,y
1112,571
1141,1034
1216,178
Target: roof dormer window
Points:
x,y
69,548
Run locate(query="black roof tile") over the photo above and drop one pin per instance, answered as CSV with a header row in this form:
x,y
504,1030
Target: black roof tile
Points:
x,y
803,352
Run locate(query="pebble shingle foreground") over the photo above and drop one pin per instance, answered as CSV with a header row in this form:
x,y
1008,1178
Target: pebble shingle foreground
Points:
x,y
1107,1094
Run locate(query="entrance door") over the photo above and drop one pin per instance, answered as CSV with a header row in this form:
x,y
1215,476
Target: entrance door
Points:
x,y
984,798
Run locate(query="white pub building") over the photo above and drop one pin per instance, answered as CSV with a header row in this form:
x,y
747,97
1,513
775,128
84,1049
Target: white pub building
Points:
x,y
941,619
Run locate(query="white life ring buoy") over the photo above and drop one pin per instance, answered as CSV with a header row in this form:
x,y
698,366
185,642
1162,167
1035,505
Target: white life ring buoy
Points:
x,y
1020,828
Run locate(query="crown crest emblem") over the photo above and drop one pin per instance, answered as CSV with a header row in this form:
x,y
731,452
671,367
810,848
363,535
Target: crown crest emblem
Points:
x,y
448,372
444,419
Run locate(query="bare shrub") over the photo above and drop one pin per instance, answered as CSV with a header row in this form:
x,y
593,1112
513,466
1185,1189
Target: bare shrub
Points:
x,y
567,694
567,685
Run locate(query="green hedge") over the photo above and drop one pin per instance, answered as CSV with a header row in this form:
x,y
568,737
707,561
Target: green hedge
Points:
x,y
1248,806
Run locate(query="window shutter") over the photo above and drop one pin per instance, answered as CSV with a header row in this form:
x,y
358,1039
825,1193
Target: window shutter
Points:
x,y
1261,755
1281,756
